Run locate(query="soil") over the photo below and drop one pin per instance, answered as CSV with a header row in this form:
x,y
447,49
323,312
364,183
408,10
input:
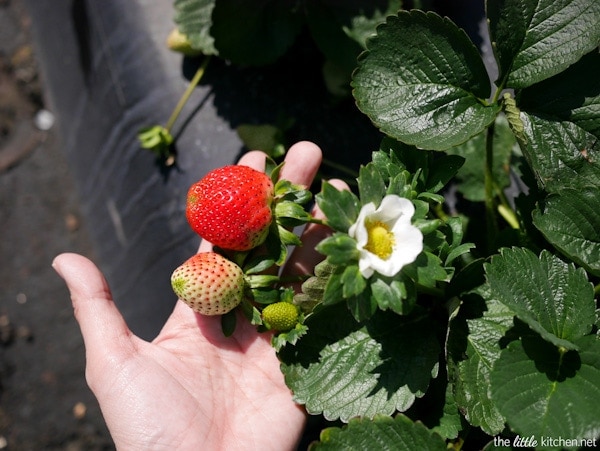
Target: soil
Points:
x,y
44,399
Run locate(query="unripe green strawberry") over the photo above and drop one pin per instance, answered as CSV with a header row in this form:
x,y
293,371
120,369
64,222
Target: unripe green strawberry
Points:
x,y
231,207
209,283
280,316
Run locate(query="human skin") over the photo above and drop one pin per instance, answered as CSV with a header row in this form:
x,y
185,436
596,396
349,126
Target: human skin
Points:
x,y
191,387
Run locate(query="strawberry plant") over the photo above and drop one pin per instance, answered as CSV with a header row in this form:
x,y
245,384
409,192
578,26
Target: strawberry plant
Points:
x,y
470,325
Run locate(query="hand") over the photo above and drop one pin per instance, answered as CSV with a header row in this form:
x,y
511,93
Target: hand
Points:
x,y
191,387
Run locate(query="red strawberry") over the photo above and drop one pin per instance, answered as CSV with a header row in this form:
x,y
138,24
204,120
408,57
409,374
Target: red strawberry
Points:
x,y
209,283
231,207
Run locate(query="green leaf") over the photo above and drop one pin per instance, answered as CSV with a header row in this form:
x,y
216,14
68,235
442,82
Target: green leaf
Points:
x,y
561,123
545,393
471,175
347,369
353,282
441,171
340,29
362,306
396,295
261,280
276,247
536,39
450,423
288,191
473,347
570,221
228,323
265,295
194,19
334,25
371,186
291,336
254,32
560,154
340,207
383,432
333,288
431,197
457,252
339,248
251,313
386,159
422,82
571,96
288,237
330,37
258,264
552,297
426,270
407,167
291,214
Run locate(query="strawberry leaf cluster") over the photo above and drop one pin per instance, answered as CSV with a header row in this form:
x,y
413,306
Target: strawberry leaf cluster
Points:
x,y
389,173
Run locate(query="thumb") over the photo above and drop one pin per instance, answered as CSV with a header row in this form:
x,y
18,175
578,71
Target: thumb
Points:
x,y
105,333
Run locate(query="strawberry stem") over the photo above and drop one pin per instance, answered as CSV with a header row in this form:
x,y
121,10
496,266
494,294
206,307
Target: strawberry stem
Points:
x,y
265,280
188,92
294,279
314,220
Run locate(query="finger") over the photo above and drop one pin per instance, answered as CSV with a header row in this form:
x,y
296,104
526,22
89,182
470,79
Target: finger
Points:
x,y
305,257
254,159
103,328
302,163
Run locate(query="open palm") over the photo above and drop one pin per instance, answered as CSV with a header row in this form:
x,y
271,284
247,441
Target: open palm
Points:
x,y
191,387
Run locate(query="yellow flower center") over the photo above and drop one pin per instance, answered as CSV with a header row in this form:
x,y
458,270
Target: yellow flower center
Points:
x,y
380,240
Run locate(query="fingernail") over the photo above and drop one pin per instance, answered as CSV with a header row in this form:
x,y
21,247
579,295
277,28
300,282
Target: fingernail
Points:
x,y
56,267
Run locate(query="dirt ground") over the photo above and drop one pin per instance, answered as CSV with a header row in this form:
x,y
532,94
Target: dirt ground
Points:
x,y
44,400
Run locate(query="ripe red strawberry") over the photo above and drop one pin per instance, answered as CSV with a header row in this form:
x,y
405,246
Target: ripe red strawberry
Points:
x,y
231,207
209,283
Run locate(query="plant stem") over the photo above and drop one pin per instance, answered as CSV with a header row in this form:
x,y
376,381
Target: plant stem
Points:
x,y
188,92
339,167
506,211
314,220
490,209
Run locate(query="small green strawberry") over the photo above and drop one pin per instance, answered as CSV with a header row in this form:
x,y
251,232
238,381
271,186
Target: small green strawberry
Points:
x,y
231,207
209,283
280,316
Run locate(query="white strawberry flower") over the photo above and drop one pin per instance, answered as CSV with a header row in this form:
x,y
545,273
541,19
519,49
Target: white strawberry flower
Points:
x,y
386,239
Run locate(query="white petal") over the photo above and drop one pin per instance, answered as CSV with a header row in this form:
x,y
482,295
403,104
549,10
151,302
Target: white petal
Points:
x,y
358,230
364,264
395,208
409,244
